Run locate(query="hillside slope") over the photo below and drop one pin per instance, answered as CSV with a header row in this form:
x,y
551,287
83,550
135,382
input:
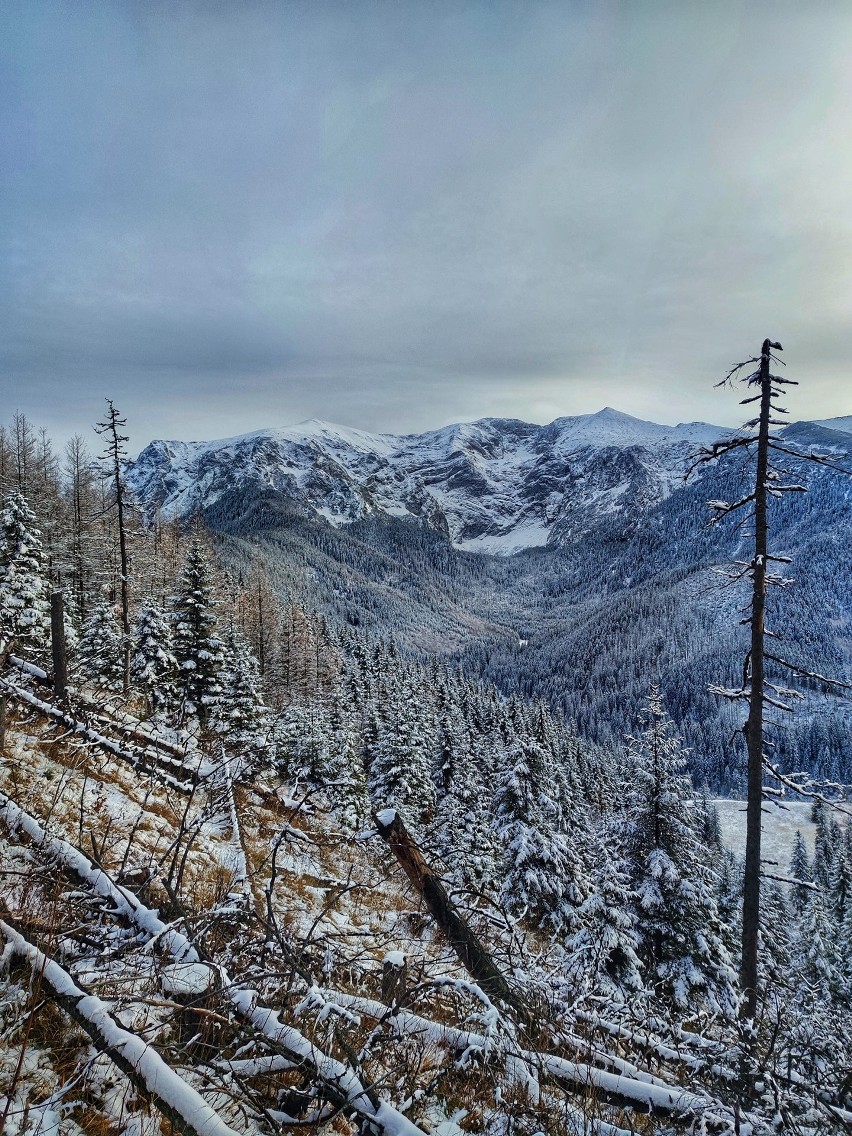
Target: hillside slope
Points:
x,y
613,582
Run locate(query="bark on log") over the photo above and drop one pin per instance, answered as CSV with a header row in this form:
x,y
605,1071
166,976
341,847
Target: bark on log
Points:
x,y
464,941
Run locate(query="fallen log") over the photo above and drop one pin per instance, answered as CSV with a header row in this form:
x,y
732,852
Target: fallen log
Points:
x,y
170,1094
336,1081
464,941
138,759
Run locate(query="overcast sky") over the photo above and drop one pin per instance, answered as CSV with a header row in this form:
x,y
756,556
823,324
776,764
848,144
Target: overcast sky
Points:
x,y
230,215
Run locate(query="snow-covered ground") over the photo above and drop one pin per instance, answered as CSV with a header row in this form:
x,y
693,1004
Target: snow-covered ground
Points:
x,y
780,823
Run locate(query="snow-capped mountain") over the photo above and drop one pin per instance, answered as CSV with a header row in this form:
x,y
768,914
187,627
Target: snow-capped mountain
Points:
x,y
496,485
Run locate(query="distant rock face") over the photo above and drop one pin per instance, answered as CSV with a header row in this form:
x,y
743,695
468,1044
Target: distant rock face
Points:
x,y
497,485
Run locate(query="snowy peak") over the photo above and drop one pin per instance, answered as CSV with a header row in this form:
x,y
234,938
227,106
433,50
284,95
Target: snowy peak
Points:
x,y
495,485
844,425
613,428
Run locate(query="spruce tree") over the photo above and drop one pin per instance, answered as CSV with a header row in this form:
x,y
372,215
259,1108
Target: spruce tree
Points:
x,y
823,845
800,869
197,647
241,715
153,666
818,966
24,590
543,879
603,951
401,761
100,648
242,710
464,837
347,785
681,940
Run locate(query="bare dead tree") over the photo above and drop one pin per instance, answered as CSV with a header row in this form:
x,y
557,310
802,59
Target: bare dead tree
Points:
x,y
757,439
115,454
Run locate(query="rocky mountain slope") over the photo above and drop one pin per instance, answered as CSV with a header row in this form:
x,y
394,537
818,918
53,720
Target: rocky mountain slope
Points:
x,y
613,582
497,485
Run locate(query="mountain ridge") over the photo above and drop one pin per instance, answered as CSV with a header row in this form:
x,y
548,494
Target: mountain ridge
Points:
x,y
492,485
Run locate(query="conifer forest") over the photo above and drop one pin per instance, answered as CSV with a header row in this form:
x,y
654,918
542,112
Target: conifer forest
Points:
x,y
321,817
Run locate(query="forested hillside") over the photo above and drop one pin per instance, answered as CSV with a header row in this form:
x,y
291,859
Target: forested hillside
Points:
x,y
269,867
625,590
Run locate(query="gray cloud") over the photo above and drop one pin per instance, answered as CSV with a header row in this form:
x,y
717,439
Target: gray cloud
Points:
x,y
396,215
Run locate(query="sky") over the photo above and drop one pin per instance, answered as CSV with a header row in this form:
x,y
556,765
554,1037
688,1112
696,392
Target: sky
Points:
x,y
394,214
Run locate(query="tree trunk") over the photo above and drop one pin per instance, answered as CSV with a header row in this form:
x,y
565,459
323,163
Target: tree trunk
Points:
x,y
57,643
754,725
122,550
473,955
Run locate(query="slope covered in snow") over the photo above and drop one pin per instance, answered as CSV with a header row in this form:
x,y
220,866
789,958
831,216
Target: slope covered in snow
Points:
x,y
497,485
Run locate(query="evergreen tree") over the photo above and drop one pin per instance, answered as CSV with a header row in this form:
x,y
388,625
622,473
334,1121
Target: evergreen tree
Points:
x,y
24,593
823,845
401,761
242,710
464,837
153,666
800,869
839,881
241,716
818,967
347,776
678,917
775,936
603,951
543,879
100,648
197,647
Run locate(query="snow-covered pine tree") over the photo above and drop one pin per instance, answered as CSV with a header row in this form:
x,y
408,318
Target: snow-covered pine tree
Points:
x,y
818,966
602,953
845,940
197,647
347,786
839,881
100,648
464,837
24,590
400,773
241,715
153,666
544,879
81,538
823,845
775,936
244,709
681,941
800,869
